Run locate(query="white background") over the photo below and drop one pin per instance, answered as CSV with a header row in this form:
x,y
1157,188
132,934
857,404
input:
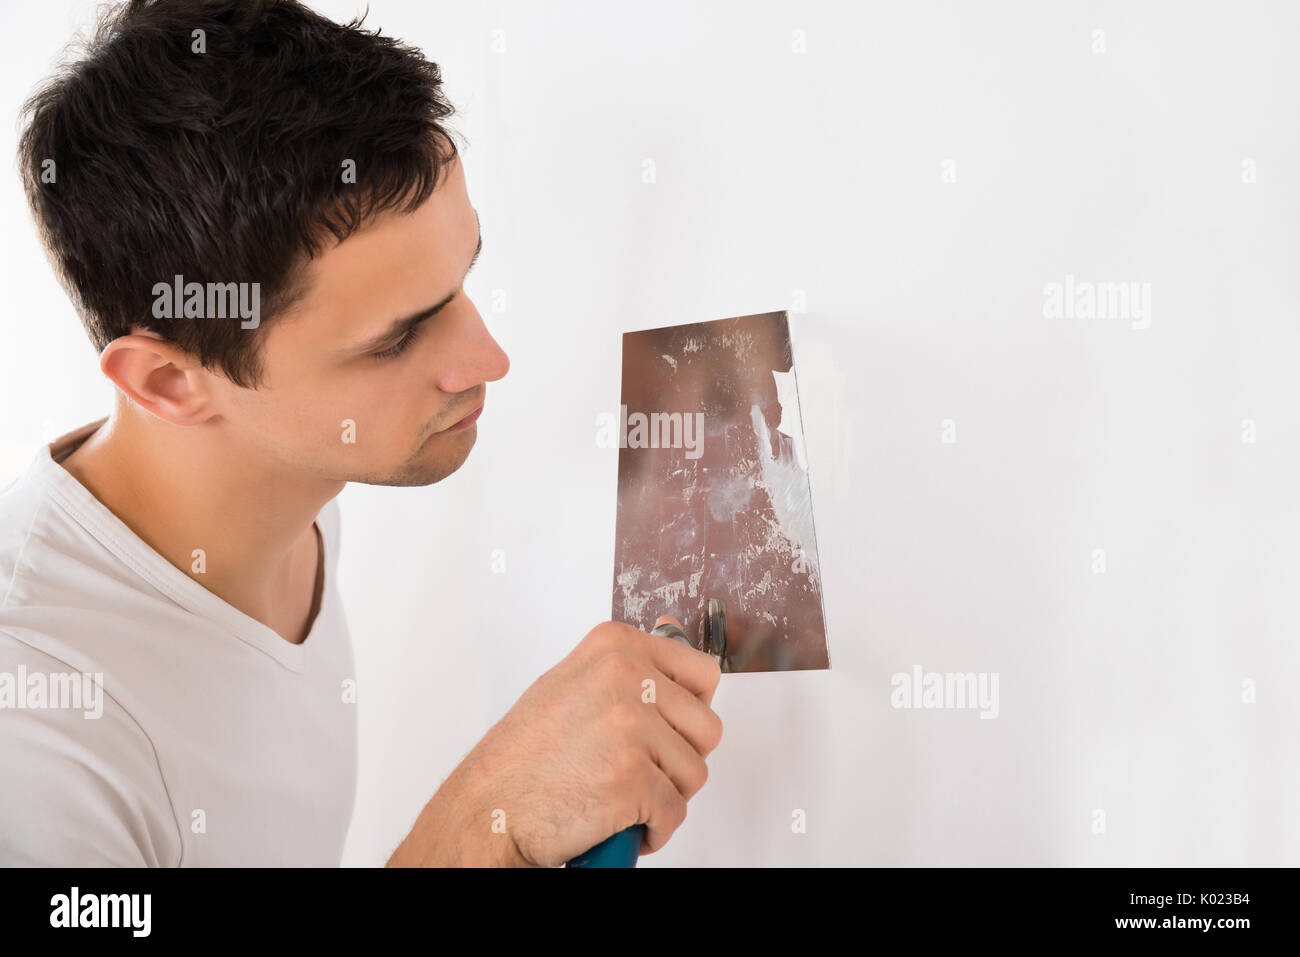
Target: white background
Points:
x,y
785,178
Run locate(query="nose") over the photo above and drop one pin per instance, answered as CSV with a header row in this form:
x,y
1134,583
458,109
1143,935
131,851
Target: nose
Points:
x,y
473,356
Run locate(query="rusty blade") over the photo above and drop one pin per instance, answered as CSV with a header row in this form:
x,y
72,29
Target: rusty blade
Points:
x,y
713,493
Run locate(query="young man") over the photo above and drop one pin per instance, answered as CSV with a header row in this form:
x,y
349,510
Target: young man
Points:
x,y
174,562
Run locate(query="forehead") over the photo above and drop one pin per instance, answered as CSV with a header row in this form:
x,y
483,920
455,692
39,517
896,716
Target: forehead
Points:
x,y
397,264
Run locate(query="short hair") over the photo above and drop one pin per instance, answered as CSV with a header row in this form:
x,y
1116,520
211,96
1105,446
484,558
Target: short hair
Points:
x,y
223,165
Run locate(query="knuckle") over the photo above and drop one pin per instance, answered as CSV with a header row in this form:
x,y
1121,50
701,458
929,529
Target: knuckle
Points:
x,y
625,714
613,668
598,639
628,766
699,776
677,810
608,635
715,730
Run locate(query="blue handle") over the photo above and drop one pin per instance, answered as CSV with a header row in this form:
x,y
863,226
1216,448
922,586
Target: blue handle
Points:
x,y
621,850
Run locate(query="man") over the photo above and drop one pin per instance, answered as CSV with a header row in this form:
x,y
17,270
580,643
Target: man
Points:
x,y
266,230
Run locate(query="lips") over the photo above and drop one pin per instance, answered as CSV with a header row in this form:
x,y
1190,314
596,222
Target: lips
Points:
x,y
465,422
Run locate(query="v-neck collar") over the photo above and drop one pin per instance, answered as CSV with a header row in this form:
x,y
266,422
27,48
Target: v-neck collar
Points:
x,y
89,512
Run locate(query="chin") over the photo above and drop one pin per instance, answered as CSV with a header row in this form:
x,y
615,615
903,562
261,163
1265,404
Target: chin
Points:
x,y
434,460
439,456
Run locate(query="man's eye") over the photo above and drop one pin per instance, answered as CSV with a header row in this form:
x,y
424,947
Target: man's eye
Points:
x,y
395,350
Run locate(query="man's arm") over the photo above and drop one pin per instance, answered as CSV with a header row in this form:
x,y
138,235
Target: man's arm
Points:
x,y
455,830
616,734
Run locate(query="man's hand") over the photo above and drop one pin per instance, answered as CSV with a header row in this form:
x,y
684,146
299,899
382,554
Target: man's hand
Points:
x,y
614,735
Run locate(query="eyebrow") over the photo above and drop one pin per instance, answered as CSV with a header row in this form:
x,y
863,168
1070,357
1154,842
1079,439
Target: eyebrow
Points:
x,y
401,327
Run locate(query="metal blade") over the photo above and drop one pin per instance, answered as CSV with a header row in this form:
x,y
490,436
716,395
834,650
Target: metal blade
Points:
x,y
713,493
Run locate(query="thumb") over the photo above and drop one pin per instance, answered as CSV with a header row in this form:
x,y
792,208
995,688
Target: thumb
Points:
x,y
666,618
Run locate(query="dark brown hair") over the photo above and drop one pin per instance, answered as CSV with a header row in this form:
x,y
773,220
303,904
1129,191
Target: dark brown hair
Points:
x,y
221,166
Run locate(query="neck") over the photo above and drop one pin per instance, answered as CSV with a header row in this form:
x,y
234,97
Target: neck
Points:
x,y
182,488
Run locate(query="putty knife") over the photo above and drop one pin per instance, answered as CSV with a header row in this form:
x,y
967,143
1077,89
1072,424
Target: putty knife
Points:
x,y
714,505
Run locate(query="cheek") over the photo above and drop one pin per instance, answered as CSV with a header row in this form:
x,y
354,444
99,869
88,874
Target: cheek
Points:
x,y
388,408
303,419
394,409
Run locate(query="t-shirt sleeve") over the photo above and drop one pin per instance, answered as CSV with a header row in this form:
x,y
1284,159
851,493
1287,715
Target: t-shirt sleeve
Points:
x,y
77,790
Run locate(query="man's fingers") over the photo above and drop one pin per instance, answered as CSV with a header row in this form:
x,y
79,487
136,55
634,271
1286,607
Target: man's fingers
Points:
x,y
695,671
667,811
687,716
677,757
691,668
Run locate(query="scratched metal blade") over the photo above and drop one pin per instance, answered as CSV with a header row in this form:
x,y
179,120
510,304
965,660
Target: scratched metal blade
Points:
x,y
713,494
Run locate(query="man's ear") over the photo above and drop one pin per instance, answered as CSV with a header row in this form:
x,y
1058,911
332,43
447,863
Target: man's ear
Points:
x,y
159,377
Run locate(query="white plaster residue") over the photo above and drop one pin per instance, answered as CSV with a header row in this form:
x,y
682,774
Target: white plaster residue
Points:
x,y
729,495
787,393
693,589
670,593
787,487
633,600
671,361
739,341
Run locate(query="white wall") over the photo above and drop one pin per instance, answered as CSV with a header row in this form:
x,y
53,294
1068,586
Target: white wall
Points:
x,y
820,174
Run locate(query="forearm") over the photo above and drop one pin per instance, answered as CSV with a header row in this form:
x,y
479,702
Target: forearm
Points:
x,y
455,830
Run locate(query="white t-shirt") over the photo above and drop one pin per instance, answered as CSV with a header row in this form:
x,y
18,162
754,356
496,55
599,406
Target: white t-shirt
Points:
x,y
218,741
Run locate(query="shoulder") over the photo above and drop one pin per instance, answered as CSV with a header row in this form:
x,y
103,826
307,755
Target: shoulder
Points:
x,y
21,504
83,786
